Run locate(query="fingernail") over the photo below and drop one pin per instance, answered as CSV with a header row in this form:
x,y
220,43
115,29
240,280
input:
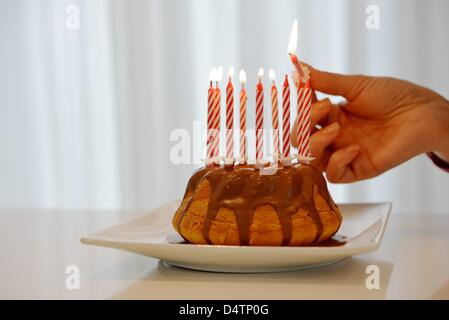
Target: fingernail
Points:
x,y
331,129
353,148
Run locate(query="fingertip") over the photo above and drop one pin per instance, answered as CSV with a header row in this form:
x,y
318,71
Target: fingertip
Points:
x,y
331,129
354,148
320,111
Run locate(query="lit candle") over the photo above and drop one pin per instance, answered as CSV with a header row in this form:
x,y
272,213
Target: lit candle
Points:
x,y
243,98
303,99
291,50
230,118
216,111
286,121
274,112
259,118
210,119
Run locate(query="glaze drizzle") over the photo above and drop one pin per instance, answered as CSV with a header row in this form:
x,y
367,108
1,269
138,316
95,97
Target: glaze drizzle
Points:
x,y
242,189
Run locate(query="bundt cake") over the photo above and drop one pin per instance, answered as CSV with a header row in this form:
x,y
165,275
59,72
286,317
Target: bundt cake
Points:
x,y
238,205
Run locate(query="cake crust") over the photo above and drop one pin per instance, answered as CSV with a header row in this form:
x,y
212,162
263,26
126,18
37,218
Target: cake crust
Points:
x,y
239,206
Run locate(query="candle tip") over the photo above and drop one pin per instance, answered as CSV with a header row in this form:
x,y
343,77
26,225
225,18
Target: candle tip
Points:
x,y
293,41
271,74
242,76
212,74
231,72
219,74
260,73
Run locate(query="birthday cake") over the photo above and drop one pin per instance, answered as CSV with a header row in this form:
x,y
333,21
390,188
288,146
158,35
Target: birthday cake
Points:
x,y
238,205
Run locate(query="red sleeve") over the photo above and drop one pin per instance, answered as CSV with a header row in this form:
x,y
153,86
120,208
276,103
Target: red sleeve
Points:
x,y
438,162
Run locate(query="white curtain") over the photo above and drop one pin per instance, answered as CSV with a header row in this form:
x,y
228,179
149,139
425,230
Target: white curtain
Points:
x,y
86,114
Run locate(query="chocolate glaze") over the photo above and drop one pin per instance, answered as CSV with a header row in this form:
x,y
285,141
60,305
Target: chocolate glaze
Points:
x,y
242,189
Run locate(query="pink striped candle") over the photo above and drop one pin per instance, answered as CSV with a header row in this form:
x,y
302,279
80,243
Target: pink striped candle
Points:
x,y
230,119
259,118
274,113
243,98
286,119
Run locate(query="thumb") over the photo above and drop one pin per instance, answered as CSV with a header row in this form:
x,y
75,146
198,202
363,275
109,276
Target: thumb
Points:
x,y
348,86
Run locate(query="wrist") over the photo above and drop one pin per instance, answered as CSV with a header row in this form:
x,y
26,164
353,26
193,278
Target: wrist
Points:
x,y
441,148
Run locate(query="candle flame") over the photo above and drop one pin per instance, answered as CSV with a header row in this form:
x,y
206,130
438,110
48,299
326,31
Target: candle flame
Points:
x,y
231,72
219,74
260,73
271,74
293,42
242,76
212,74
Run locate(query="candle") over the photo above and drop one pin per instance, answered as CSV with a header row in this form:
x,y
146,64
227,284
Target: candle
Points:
x,y
274,112
291,50
230,118
299,115
243,98
304,144
304,96
286,119
216,112
259,118
210,119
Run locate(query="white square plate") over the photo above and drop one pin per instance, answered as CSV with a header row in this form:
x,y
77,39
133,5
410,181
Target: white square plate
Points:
x,y
152,235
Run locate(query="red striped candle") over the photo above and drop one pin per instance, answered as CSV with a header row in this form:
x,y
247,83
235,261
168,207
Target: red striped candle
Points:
x,y
298,66
291,50
286,119
216,115
259,117
210,104
299,112
230,118
243,98
304,144
304,96
274,114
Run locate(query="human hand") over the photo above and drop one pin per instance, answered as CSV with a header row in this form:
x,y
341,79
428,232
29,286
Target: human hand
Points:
x,y
383,123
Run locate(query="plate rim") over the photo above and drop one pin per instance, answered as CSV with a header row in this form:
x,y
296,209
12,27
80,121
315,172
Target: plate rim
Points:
x,y
121,245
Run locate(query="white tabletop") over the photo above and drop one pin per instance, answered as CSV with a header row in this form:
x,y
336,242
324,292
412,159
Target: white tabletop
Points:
x,y
37,246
